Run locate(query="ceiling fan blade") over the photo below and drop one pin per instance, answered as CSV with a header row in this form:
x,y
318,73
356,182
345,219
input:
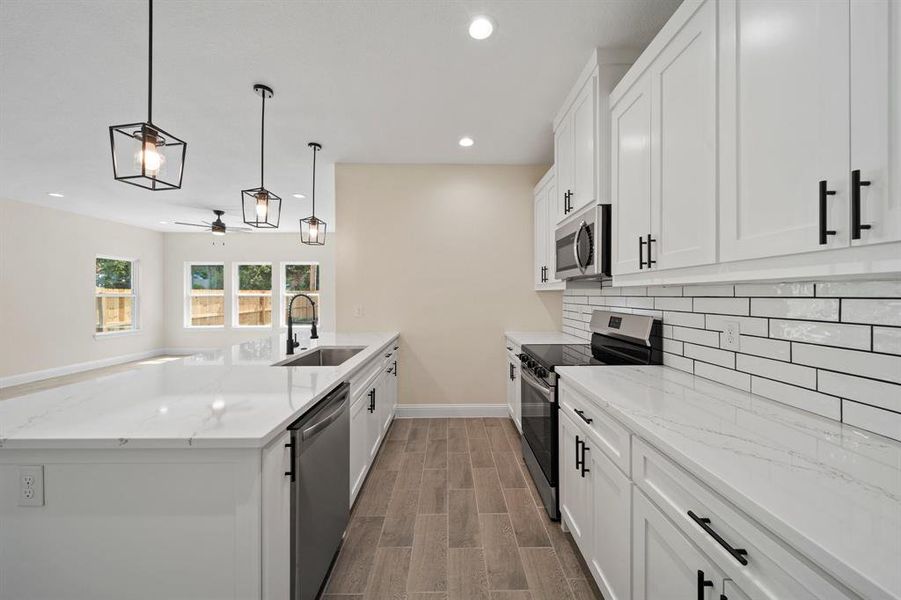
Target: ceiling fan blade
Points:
x,y
192,224
239,229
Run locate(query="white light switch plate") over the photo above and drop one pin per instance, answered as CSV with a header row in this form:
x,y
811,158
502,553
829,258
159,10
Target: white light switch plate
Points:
x,y
31,485
730,338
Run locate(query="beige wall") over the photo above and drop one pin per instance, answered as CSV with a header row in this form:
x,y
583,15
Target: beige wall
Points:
x,y
275,248
443,254
47,288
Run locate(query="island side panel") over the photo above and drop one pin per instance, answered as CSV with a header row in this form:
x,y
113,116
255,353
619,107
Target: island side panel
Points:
x,y
133,523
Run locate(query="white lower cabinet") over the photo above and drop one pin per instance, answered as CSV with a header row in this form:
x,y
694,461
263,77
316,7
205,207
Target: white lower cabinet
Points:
x,y
665,564
514,387
359,443
611,529
575,485
732,592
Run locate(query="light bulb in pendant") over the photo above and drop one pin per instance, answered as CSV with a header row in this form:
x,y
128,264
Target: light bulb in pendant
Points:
x,y
262,205
148,159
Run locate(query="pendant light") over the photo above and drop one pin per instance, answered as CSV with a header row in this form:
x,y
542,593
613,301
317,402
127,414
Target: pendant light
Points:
x,y
143,154
261,208
312,229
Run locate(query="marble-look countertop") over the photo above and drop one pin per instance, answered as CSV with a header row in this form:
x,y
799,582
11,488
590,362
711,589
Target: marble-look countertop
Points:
x,y
227,398
830,490
542,337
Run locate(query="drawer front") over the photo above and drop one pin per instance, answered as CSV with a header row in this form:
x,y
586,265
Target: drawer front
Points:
x,y
389,354
609,436
365,378
512,347
773,570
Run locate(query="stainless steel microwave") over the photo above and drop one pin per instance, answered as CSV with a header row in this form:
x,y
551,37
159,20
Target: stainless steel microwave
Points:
x,y
582,244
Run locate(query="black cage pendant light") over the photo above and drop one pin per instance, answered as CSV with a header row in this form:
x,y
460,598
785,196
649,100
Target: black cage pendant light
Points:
x,y
143,154
261,207
312,229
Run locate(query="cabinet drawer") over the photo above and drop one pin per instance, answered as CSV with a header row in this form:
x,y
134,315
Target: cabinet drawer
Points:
x,y
365,377
773,571
611,437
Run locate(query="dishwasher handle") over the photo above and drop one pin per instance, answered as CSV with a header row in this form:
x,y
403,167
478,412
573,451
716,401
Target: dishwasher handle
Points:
x,y
320,424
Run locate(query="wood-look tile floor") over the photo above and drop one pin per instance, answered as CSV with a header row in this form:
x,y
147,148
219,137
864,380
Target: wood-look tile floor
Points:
x,y
449,512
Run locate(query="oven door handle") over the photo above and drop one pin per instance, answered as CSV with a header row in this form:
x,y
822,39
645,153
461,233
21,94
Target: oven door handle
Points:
x,y
546,391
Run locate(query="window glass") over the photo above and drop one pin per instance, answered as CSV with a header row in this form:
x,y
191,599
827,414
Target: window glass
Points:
x,y
206,298
254,296
301,278
115,300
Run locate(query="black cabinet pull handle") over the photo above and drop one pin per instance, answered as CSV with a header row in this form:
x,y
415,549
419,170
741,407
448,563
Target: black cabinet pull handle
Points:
x,y
702,583
824,193
290,473
584,468
856,184
371,400
650,260
395,368
578,462
581,413
640,252
737,553
511,372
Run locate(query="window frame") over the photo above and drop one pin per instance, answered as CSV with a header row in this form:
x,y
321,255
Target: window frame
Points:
x,y
186,308
134,295
236,293
283,289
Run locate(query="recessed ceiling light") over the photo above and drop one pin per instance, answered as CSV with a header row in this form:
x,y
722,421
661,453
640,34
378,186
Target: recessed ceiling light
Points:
x,y
481,28
300,196
164,222
466,141
55,194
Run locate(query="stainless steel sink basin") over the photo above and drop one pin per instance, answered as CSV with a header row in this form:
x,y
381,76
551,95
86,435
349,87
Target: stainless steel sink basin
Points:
x,y
321,357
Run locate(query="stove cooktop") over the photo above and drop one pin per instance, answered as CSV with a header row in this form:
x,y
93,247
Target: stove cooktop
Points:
x,y
551,356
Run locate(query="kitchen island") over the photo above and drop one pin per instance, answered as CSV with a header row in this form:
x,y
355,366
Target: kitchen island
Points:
x,y
168,481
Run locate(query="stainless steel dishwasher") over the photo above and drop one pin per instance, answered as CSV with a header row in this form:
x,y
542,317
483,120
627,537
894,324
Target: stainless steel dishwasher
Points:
x,y
320,504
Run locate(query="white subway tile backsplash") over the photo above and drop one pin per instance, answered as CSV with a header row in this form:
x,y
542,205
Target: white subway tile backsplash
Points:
x,y
709,290
874,312
860,289
747,325
696,336
763,347
723,358
877,393
774,289
683,304
880,421
729,377
887,339
684,319
791,308
818,332
723,306
822,404
868,364
808,345
774,369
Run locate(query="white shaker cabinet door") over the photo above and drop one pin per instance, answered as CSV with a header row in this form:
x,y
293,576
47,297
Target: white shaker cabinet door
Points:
x,y
875,121
631,176
584,126
611,545
784,110
732,591
666,565
684,160
359,443
540,267
575,486
563,161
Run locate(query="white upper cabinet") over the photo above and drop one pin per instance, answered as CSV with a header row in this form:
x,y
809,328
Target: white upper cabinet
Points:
x,y
875,121
584,127
684,146
545,216
784,90
564,151
630,125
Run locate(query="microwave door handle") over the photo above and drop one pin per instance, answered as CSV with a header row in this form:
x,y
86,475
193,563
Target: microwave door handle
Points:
x,y
583,226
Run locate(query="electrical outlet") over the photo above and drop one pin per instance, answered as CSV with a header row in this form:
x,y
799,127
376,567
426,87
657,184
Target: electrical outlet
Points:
x,y
730,338
31,486
358,311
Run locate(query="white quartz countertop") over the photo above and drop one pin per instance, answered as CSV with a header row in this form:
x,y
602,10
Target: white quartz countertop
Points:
x,y
830,490
542,337
228,398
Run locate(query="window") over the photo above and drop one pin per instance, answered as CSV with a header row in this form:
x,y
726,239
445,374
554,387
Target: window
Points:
x,y
300,278
116,300
253,295
205,298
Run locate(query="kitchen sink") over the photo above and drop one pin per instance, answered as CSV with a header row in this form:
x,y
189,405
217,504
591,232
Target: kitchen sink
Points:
x,y
321,357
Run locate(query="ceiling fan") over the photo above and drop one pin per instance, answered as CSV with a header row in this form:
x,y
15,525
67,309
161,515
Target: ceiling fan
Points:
x,y
217,227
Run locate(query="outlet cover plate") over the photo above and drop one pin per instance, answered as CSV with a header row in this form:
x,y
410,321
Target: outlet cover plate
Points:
x,y
31,485
730,338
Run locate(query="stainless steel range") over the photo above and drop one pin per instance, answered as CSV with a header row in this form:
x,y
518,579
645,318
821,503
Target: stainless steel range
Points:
x,y
616,339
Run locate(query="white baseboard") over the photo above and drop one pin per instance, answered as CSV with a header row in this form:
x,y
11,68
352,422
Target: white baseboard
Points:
x,y
410,411
31,376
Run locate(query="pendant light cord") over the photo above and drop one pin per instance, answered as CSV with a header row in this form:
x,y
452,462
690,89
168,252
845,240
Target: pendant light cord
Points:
x,y
150,67
262,136
315,150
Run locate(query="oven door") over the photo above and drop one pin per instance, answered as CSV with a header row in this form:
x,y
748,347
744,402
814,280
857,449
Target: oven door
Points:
x,y
575,247
539,423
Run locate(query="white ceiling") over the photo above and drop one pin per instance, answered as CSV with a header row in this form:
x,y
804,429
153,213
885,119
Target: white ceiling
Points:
x,y
374,81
